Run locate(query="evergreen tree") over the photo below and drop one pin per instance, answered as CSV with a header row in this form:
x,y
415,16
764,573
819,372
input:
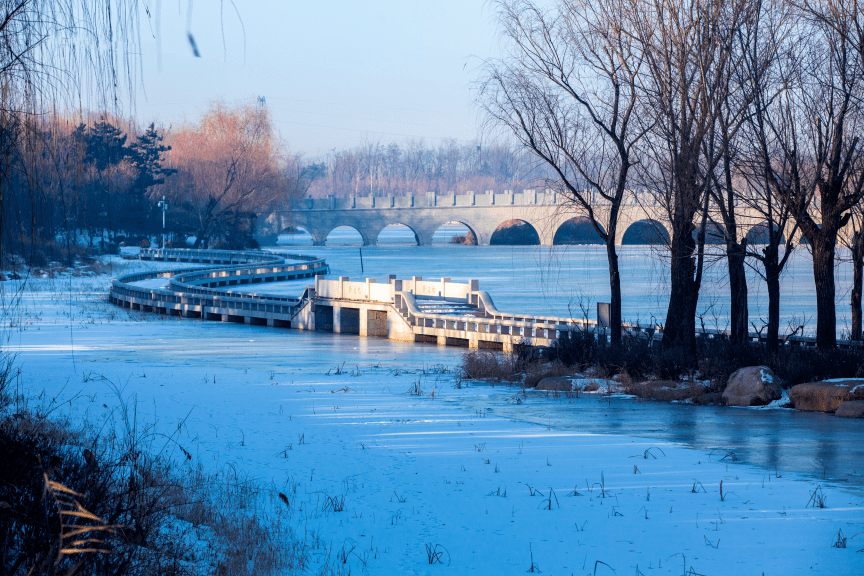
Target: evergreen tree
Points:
x,y
147,155
106,145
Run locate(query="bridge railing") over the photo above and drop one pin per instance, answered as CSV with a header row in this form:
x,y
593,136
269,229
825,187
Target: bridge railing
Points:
x,y
211,282
184,293
488,198
202,256
524,327
371,289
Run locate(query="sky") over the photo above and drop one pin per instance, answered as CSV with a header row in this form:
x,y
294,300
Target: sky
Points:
x,y
334,74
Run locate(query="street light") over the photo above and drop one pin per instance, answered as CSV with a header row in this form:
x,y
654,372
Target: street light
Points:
x,y
164,206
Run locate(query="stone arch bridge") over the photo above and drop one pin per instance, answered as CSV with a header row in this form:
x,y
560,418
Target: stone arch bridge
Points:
x,y
481,213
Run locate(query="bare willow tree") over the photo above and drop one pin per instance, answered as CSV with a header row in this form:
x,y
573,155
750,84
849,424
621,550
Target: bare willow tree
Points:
x,y
567,91
227,168
765,72
690,53
846,19
753,54
822,121
53,56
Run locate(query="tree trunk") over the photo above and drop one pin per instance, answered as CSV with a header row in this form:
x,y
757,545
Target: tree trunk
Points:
x,y
858,273
823,275
615,290
680,326
772,280
738,312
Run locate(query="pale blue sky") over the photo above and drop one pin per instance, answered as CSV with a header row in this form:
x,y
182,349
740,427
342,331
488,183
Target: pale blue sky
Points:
x,y
333,73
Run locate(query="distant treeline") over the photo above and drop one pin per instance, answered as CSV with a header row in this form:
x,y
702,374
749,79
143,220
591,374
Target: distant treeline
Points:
x,y
74,184
376,169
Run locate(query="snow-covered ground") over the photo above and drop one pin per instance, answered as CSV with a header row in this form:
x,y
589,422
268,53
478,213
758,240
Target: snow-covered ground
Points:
x,y
485,494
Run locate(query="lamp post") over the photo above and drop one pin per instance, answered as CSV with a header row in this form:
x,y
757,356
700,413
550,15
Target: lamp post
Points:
x,y
164,206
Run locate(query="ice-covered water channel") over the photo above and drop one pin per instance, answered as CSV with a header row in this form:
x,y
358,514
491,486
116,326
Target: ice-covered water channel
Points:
x,y
333,414
548,280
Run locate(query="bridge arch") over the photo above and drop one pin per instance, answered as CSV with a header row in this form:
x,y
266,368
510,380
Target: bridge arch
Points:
x,y
294,236
468,231
401,233
577,230
758,234
345,229
646,231
515,232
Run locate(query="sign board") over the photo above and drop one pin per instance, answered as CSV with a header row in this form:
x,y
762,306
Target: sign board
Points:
x,y
603,314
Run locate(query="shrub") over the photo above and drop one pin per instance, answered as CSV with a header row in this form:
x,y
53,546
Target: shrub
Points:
x,y
144,507
716,359
576,348
489,365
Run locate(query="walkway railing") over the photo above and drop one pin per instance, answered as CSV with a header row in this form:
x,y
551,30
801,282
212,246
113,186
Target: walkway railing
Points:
x,y
208,292
204,292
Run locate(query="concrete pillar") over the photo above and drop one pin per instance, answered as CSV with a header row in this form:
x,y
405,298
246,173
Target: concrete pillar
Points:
x,y
337,319
414,280
364,321
442,340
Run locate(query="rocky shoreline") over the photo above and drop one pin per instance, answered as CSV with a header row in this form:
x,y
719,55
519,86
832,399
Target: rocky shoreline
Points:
x,y
746,387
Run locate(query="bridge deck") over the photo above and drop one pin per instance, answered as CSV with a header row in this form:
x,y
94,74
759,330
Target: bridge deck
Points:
x,y
415,310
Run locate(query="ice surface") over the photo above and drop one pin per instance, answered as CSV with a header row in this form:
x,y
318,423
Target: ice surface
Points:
x,y
448,467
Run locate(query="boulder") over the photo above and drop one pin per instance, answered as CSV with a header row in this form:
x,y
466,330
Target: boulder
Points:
x,y
852,409
555,383
664,390
826,396
752,386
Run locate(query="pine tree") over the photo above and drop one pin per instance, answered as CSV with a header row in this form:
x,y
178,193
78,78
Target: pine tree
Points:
x,y
147,155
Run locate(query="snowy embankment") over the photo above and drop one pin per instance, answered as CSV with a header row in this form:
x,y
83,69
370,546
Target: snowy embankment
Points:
x,y
416,477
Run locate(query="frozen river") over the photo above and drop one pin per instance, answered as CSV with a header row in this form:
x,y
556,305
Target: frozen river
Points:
x,y
552,280
333,414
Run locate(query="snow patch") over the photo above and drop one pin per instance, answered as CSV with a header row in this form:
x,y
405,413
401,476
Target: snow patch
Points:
x,y
783,402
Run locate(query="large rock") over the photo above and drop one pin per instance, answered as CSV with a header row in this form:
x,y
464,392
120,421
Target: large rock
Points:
x,y
555,383
825,396
664,390
752,386
853,409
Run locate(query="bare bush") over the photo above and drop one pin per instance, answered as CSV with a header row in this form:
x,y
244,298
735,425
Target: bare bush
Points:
x,y
144,510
